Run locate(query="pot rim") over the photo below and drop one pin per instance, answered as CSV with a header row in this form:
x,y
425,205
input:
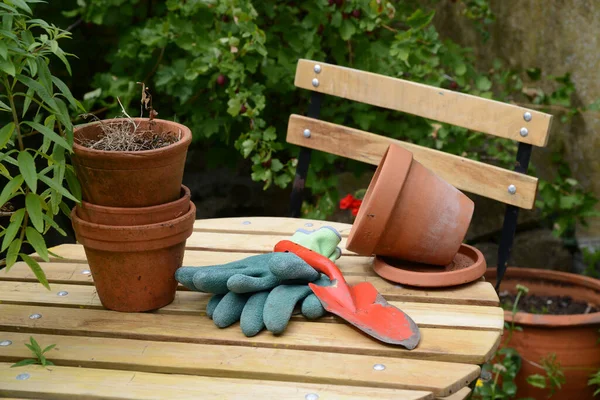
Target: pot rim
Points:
x,y
544,320
185,196
186,138
390,175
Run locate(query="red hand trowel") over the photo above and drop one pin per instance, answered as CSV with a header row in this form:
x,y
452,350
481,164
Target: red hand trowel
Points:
x,y
361,304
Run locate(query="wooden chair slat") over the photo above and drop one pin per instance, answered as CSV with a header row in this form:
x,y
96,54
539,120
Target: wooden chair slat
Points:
x,y
465,174
256,363
437,344
472,112
431,315
462,394
72,382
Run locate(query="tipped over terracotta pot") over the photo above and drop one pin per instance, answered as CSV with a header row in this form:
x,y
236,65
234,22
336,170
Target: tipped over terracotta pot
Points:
x,y
410,213
131,178
128,216
134,266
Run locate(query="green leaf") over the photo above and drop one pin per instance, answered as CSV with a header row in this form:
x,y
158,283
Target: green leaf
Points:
x,y
460,69
45,76
22,5
510,388
39,89
53,224
56,187
13,228
28,97
420,19
50,134
13,253
33,203
347,29
276,165
36,347
22,363
64,89
73,183
61,55
4,106
8,67
27,169
37,270
483,83
6,133
537,380
10,188
3,50
38,243
47,349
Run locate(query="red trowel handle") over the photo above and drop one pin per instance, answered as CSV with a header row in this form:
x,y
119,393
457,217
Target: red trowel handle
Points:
x,y
312,258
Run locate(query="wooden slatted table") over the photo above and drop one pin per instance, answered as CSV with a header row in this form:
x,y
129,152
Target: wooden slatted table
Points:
x,y
177,352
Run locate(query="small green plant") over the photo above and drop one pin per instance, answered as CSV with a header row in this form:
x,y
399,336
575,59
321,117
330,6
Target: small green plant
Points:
x,y
595,381
591,259
35,101
553,378
37,351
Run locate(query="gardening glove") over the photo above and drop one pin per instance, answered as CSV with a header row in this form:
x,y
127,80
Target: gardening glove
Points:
x,y
251,274
323,241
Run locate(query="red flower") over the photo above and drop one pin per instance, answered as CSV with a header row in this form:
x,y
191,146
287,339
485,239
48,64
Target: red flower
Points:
x,y
354,212
347,202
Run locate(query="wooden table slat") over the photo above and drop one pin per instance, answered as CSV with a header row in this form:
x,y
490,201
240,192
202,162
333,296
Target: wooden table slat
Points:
x,y
71,382
246,362
266,225
194,303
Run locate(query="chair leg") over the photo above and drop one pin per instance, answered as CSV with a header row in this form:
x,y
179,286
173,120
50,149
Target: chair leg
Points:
x,y
299,182
509,229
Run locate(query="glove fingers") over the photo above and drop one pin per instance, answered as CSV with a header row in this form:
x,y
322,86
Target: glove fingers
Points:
x,y
212,304
251,320
229,309
185,276
312,307
242,283
280,305
288,266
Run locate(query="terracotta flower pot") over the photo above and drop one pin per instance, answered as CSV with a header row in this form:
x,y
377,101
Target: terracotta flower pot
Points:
x,y
135,178
134,266
128,216
410,213
573,338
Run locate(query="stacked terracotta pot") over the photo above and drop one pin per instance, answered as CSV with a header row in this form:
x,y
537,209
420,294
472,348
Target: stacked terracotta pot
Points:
x,y
134,219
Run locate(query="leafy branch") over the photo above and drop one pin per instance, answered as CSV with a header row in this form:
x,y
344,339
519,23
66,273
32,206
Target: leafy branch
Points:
x,y
38,353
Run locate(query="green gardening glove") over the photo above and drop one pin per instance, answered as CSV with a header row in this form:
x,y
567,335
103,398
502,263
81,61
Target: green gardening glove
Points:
x,y
323,241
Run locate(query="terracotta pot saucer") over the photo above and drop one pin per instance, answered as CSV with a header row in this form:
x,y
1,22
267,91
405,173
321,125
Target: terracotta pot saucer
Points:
x,y
468,265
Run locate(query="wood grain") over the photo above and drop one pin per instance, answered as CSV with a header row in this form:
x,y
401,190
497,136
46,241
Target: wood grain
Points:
x,y
472,112
462,394
247,362
476,293
266,225
465,174
437,344
87,383
431,315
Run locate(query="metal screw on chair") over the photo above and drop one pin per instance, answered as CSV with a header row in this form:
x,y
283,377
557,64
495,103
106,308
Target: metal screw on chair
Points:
x,y
378,367
311,396
246,223
527,116
307,133
315,82
5,343
35,316
524,132
86,272
23,377
308,224
62,293
317,69
512,189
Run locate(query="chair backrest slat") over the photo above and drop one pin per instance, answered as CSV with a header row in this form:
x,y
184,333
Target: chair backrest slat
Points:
x,y
471,112
465,174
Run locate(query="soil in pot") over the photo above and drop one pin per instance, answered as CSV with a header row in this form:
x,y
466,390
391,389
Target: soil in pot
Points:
x,y
410,213
134,266
127,216
571,336
129,175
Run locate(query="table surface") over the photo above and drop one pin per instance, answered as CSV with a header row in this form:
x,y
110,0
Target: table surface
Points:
x,y
177,352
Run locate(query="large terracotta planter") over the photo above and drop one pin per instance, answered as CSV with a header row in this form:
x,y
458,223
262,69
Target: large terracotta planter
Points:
x,y
573,338
131,179
410,213
134,266
128,216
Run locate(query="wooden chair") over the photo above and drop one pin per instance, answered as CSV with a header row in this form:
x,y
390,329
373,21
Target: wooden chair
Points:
x,y
514,188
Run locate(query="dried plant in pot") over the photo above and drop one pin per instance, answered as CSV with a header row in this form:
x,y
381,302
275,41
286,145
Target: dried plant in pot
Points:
x,y
409,213
131,162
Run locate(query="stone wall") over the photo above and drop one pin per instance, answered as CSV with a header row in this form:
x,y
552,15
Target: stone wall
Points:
x,y
557,37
